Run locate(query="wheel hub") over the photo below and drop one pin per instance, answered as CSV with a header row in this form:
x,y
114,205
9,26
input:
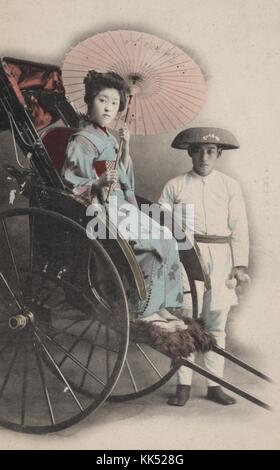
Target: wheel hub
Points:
x,y
18,322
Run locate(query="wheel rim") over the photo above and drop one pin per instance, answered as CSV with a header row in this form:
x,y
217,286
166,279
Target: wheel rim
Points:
x,y
55,337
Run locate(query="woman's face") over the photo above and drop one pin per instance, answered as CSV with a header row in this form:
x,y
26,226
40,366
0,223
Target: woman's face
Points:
x,y
105,106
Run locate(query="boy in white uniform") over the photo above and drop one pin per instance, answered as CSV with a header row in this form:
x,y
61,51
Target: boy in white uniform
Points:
x,y
221,231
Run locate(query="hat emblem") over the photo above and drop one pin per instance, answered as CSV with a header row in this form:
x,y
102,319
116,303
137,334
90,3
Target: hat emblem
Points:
x,y
211,137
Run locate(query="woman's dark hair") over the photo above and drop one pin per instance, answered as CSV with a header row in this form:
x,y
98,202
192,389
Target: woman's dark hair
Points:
x,y
96,82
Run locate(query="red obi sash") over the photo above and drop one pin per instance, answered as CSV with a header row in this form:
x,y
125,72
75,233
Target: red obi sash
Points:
x,y
103,165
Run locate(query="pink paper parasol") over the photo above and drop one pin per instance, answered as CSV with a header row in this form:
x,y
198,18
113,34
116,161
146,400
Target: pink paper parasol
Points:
x,y
167,85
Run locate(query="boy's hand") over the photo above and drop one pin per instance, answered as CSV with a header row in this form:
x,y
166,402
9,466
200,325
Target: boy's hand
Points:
x,y
238,273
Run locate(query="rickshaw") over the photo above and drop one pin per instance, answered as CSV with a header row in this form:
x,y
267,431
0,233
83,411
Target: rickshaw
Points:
x,y
68,341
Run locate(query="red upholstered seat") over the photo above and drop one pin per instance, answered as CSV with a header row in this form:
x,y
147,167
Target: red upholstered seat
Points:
x,y
55,141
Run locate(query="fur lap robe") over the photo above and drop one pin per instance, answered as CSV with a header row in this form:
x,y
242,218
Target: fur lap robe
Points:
x,y
175,345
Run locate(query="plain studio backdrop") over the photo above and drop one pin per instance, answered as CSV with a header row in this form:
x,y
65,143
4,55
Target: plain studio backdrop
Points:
x,y
236,45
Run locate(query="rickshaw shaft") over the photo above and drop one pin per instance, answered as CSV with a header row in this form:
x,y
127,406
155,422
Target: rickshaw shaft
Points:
x,y
186,362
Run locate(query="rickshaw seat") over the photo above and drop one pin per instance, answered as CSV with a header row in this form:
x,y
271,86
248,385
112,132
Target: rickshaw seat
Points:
x,y
55,142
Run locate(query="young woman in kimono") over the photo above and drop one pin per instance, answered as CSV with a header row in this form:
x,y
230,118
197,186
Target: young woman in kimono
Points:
x,y
89,166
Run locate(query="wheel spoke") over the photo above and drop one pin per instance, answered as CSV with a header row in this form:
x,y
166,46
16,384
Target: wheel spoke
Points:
x,y
57,332
73,307
72,317
31,246
47,352
43,381
70,356
131,375
106,348
6,379
96,294
24,381
107,353
10,290
31,255
12,254
149,360
90,354
78,339
59,303
65,328
63,331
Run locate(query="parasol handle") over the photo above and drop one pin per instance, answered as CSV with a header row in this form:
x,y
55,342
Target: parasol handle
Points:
x,y
128,109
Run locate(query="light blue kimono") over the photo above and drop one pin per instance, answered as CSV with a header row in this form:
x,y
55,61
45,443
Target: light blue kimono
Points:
x,y
159,258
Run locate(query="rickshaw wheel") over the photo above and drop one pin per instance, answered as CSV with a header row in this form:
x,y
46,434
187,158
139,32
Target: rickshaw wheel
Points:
x,y
56,338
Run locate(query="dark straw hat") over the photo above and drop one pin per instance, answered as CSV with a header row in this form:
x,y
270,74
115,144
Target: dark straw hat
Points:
x,y
205,135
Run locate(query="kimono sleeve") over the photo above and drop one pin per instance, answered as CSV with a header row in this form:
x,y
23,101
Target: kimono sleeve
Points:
x,y
126,176
78,167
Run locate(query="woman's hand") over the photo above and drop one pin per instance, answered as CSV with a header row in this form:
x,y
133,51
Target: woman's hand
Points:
x,y
124,134
108,177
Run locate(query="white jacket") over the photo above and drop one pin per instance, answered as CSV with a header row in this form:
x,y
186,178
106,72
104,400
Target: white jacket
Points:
x,y
219,209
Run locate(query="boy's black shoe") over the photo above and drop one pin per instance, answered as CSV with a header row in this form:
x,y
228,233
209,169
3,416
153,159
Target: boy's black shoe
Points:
x,y
217,395
181,396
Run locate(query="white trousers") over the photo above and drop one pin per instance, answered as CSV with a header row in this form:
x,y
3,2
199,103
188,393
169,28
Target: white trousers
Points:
x,y
215,322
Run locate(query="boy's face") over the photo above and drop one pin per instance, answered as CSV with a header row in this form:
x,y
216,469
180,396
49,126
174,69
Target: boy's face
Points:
x,y
204,157
105,107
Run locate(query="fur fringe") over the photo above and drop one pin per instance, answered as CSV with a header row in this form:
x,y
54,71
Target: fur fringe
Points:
x,y
180,343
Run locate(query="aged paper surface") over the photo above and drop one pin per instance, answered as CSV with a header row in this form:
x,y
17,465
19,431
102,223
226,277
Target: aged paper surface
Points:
x,y
236,44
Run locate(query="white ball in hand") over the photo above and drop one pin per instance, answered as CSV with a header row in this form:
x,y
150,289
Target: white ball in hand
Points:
x,y
231,283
